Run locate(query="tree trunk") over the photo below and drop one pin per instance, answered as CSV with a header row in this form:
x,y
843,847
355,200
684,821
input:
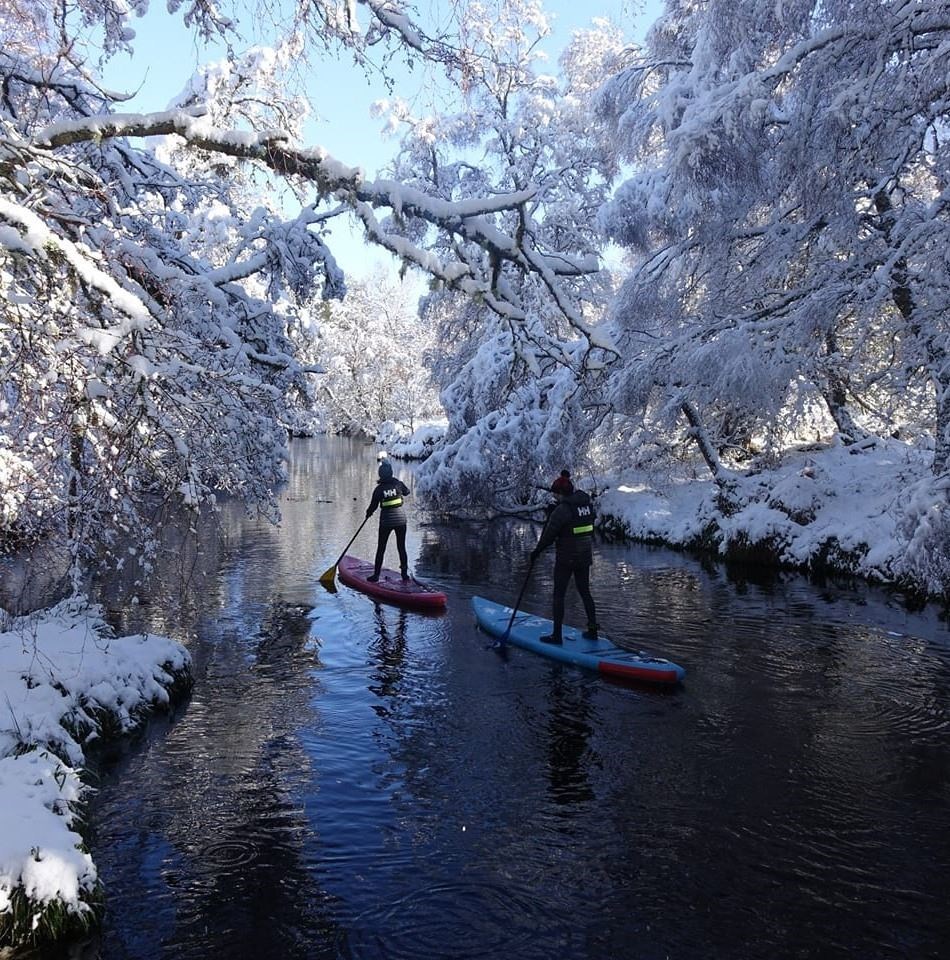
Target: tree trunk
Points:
x,y
77,435
725,480
835,395
938,361
941,463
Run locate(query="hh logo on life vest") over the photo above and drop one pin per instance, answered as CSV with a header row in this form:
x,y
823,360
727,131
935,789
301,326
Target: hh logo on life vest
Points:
x,y
584,511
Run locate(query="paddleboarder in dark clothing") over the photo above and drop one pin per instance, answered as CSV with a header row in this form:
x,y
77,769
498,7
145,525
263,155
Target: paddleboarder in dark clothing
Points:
x,y
388,496
571,527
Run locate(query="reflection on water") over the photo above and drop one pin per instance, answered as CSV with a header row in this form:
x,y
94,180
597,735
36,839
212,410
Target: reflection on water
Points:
x,y
353,780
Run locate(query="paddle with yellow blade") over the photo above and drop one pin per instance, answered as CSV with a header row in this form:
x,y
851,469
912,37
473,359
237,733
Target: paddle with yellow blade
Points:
x,y
328,579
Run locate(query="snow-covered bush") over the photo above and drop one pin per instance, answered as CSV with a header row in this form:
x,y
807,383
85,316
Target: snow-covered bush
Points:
x,y
65,681
408,444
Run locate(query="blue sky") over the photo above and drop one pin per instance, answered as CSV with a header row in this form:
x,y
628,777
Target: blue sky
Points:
x,y
166,56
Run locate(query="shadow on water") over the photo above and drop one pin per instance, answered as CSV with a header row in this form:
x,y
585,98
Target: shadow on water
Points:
x,y
352,780
569,730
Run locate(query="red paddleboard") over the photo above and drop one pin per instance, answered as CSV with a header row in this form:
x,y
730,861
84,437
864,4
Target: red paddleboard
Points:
x,y
390,587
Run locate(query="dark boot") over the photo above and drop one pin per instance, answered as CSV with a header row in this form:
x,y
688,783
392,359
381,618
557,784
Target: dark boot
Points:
x,y
591,632
552,638
374,578
405,574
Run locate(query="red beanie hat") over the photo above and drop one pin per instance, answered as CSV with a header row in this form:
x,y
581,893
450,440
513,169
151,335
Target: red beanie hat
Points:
x,y
563,485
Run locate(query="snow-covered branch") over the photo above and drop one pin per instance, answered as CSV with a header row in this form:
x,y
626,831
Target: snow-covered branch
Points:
x,y
469,219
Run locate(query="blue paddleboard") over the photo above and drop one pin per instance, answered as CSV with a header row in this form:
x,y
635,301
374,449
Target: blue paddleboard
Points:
x,y
600,655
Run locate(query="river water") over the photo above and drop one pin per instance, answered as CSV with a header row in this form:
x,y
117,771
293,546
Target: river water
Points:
x,y
350,780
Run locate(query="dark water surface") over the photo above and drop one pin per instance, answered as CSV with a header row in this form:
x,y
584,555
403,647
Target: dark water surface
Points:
x,y
350,780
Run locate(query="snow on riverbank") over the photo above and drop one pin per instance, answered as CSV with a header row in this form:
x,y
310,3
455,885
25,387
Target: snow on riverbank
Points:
x,y
64,682
870,509
415,444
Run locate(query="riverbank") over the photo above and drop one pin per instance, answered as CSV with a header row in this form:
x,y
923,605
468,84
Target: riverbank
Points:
x,y
66,684
871,510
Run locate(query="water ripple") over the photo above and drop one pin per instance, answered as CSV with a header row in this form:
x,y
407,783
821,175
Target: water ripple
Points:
x,y
351,780
426,922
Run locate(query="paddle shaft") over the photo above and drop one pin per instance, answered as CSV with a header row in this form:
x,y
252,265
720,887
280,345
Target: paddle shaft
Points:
x,y
350,544
332,570
524,585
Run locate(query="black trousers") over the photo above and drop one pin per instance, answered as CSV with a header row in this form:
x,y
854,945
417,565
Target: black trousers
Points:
x,y
563,571
400,546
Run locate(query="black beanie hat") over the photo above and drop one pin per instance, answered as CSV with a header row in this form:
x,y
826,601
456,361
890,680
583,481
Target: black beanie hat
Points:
x,y
385,470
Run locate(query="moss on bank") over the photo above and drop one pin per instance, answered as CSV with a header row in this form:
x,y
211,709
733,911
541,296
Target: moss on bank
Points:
x,y
26,924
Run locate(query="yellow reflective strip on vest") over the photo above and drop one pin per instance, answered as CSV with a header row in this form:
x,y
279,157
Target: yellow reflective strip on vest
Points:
x,y
398,503
588,529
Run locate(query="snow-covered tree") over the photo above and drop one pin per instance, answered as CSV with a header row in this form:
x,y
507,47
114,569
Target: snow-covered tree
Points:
x,y
372,345
138,358
790,213
520,386
790,210
152,303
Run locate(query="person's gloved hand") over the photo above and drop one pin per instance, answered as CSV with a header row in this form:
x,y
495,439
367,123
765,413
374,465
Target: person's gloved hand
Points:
x,y
369,512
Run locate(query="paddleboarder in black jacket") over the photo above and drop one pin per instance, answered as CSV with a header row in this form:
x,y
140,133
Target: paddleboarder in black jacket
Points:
x,y
571,527
388,496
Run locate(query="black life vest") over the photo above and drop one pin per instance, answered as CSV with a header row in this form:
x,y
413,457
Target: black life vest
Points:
x,y
582,522
390,497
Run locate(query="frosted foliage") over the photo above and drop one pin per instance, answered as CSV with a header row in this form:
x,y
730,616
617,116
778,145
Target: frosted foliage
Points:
x,y
508,379
148,306
508,428
162,297
787,212
788,203
372,346
249,90
925,527
776,175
